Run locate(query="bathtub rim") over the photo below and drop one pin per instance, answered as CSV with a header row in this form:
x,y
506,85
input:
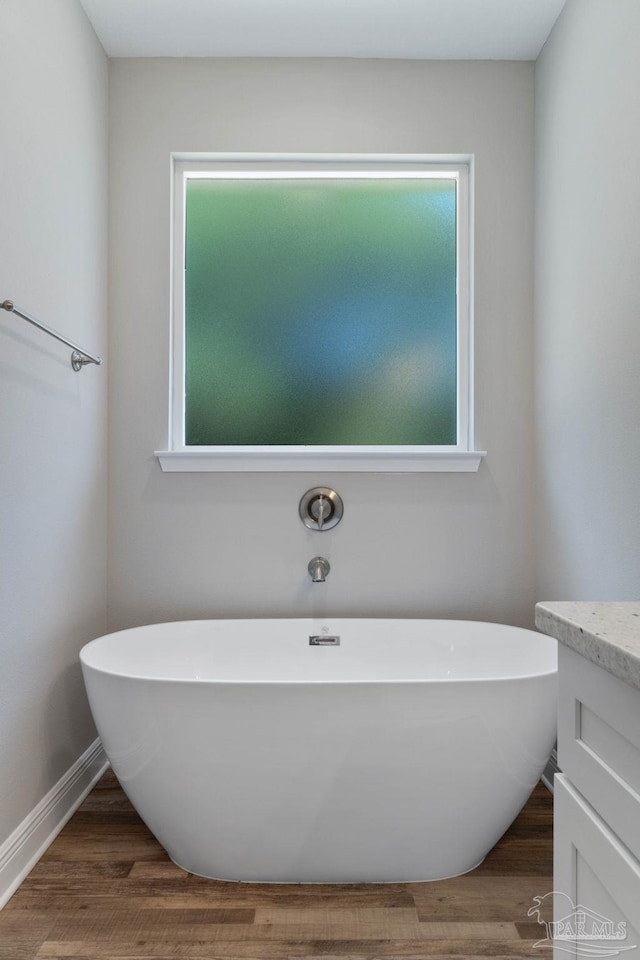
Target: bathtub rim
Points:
x,y
123,674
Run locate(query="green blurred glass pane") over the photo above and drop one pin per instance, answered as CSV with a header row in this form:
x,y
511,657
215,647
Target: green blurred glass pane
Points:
x,y
320,312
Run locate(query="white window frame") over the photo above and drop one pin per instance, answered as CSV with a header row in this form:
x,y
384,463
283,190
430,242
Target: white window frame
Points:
x,y
461,457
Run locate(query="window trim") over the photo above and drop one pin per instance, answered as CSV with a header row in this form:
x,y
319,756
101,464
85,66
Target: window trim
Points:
x,y
392,458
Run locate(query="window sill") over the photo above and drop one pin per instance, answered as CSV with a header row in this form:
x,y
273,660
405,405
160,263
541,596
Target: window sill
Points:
x,y
327,459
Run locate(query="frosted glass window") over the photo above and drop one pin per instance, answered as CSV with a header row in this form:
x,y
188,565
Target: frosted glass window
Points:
x,y
320,311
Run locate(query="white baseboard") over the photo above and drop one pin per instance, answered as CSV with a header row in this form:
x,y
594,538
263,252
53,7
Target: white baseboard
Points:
x,y
550,770
22,850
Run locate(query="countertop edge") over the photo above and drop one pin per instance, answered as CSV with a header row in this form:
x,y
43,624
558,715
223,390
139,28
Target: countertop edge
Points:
x,y
595,641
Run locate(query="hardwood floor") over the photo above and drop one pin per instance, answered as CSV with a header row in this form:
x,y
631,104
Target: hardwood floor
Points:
x,y
106,889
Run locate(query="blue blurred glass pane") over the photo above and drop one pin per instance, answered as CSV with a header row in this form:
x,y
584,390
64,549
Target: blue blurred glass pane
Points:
x,y
320,312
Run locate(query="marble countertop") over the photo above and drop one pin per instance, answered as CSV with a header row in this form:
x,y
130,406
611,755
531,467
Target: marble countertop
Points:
x,y
605,633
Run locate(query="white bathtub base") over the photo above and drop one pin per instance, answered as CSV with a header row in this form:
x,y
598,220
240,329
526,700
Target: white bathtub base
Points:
x,y
311,774
327,883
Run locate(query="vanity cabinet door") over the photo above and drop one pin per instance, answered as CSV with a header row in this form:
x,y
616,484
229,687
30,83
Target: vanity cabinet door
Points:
x,y
599,742
596,882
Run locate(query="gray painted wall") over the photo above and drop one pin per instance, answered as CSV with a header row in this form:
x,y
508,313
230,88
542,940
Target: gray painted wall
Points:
x,y
588,305
233,545
53,176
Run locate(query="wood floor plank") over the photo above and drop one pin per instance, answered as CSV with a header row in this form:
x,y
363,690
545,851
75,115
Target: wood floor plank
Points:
x,y
81,898
16,924
287,950
154,870
108,847
23,949
532,930
113,927
50,871
471,896
326,899
334,916
519,867
128,913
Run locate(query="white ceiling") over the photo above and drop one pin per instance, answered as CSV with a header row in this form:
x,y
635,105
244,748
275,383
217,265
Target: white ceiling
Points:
x,y
413,29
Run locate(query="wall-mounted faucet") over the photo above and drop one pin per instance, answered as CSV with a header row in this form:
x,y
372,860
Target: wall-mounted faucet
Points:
x,y
318,569
321,509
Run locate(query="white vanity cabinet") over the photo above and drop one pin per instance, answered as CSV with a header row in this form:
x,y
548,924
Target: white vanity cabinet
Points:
x,y
597,795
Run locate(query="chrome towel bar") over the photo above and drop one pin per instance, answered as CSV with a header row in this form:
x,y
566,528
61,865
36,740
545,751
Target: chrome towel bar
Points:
x,y
78,357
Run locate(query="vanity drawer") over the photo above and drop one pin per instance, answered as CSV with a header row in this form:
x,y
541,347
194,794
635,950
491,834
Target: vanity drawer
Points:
x,y
595,880
599,742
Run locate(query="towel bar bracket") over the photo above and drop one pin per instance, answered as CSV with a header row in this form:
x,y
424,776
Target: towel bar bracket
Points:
x,y
79,360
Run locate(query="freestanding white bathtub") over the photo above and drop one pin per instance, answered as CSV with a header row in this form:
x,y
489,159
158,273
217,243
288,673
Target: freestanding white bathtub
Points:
x,y
403,753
